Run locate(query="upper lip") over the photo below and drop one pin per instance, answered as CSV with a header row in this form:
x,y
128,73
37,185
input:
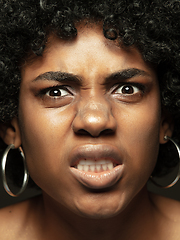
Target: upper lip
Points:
x,y
95,152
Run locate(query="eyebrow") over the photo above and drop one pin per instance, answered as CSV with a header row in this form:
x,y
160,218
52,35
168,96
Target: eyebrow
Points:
x,y
59,76
63,77
126,74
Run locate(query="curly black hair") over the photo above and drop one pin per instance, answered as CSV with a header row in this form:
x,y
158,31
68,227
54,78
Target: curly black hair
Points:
x,y
152,26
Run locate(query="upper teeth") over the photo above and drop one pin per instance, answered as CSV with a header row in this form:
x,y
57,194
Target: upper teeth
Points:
x,y
95,166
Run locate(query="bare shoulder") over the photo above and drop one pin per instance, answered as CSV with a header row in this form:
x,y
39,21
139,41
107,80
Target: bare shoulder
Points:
x,y
168,215
167,206
14,219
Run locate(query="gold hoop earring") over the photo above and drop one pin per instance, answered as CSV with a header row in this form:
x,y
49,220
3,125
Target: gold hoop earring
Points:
x,y
178,174
3,166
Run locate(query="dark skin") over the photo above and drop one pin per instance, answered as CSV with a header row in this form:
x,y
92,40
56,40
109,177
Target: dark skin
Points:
x,y
88,97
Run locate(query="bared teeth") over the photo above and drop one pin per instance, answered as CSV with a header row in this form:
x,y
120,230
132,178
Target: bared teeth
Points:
x,y
86,168
104,167
92,168
98,167
95,166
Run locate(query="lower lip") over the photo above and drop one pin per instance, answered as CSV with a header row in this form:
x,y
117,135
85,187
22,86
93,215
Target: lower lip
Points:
x,y
99,180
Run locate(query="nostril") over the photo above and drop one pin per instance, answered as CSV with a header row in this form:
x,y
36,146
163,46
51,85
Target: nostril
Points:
x,y
95,134
91,121
107,132
82,132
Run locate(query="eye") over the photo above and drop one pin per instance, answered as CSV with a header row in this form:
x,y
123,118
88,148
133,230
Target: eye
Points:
x,y
57,92
56,96
130,92
127,89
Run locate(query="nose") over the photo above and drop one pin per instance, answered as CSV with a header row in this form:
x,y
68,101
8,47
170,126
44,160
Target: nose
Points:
x,y
94,117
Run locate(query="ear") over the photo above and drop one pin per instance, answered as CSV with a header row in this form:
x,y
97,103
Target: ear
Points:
x,y
166,128
10,133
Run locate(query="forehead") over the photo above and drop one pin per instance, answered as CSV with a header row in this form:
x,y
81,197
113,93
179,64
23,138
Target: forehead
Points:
x,y
90,53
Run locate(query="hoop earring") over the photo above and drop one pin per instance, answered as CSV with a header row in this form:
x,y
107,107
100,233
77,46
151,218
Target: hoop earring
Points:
x,y
178,174
3,166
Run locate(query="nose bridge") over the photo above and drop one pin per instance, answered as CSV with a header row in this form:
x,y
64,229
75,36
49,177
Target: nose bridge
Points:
x,y
94,115
94,110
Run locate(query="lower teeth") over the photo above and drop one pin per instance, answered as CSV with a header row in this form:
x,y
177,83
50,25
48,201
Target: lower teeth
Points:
x,y
96,167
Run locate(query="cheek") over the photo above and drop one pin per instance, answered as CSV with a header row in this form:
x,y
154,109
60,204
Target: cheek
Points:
x,y
44,133
139,136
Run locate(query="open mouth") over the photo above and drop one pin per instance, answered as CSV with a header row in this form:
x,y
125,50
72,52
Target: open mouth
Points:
x,y
95,166
97,174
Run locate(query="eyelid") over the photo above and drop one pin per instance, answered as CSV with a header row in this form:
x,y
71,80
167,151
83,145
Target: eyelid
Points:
x,y
137,96
135,90
62,91
44,91
140,86
55,100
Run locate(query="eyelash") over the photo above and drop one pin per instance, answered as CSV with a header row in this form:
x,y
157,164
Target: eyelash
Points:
x,y
59,88
139,88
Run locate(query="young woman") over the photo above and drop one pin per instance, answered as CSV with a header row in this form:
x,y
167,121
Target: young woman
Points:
x,y
90,96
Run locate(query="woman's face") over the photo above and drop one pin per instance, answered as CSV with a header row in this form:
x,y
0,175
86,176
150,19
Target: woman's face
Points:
x,y
89,102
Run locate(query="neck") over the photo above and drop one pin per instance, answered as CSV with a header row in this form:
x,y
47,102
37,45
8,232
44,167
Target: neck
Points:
x,y
128,224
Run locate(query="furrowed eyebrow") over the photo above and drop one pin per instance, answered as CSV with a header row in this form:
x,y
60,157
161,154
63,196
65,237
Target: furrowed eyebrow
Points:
x,y
126,74
63,77
59,77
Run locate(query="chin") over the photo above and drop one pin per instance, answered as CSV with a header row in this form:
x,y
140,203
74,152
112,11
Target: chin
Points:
x,y
103,214
99,210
